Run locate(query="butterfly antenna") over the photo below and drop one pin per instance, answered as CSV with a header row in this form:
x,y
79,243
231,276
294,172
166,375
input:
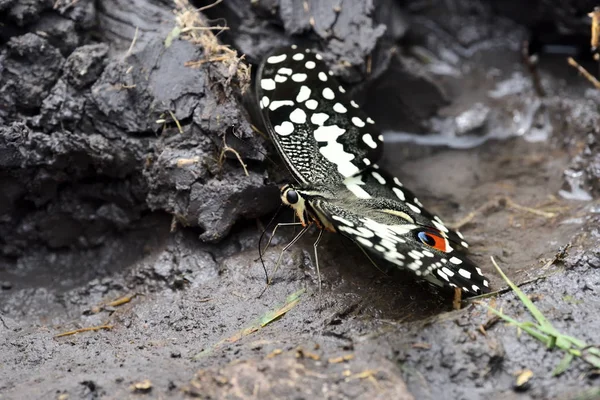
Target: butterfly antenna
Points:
x,y
370,259
290,244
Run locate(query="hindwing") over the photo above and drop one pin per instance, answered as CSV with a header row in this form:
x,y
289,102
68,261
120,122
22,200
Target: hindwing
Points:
x,y
376,183
391,230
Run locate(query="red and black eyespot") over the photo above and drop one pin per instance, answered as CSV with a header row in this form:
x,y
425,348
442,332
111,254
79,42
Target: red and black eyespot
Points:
x,y
432,239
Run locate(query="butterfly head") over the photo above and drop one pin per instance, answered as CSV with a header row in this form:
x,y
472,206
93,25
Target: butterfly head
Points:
x,y
292,197
304,201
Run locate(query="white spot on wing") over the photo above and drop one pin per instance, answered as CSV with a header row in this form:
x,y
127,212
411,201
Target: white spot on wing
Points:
x,y
364,242
354,184
267,84
367,161
443,275
264,102
399,193
464,273
360,231
440,226
323,76
379,178
318,118
303,94
464,244
311,104
298,56
353,103
318,57
338,107
275,104
334,151
310,65
298,116
280,78
328,94
369,141
414,208
276,59
369,120
299,77
286,128
358,191
358,122
341,89
447,271
342,220
456,261
284,71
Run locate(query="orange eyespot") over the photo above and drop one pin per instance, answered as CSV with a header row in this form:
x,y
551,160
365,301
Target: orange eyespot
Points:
x,y
432,239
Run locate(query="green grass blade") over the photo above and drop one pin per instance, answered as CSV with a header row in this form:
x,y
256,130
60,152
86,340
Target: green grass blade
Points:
x,y
527,302
563,365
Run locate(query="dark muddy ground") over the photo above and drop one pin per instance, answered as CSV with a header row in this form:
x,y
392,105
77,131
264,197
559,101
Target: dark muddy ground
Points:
x,y
99,200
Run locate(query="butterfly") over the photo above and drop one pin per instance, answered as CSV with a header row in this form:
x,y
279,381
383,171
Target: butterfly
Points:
x,y
331,147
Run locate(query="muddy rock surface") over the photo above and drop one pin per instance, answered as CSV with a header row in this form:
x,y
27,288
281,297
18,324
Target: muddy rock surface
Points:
x,y
134,189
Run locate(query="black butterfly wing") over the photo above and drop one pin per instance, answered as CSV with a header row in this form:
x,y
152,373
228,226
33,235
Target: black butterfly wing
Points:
x,y
319,131
381,229
324,138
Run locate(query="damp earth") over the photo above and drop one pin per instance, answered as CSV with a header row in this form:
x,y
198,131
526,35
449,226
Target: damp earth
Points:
x,y
135,190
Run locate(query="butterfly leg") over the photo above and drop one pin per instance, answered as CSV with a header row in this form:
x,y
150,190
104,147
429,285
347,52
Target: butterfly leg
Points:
x,y
290,244
262,252
315,247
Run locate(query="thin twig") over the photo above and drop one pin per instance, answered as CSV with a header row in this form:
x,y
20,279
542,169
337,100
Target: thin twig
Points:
x,y
204,28
91,328
176,121
584,72
135,36
210,5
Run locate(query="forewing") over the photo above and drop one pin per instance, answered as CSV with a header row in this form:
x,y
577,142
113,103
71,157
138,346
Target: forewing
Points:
x,y
378,184
322,134
396,240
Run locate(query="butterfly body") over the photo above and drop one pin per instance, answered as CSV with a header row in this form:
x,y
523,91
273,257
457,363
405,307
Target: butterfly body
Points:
x,y
331,148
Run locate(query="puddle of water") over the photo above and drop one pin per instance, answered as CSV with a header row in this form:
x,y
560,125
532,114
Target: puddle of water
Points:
x,y
524,116
575,181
